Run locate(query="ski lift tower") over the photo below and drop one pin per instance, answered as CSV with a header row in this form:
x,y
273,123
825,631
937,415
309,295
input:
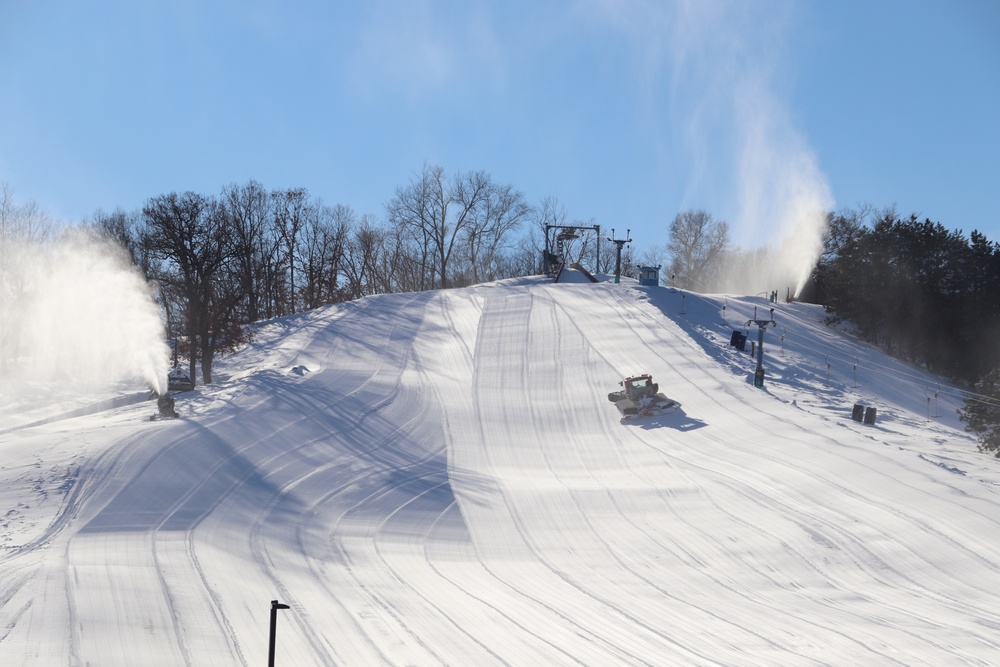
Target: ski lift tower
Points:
x,y
758,374
555,257
620,243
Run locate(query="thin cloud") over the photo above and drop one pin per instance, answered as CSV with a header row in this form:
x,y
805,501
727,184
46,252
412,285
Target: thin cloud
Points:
x,y
418,50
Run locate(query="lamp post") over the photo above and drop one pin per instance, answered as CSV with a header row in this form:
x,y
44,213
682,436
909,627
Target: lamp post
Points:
x,y
275,606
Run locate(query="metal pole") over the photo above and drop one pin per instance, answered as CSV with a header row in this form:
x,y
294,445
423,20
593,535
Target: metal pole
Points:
x,y
597,269
760,348
275,606
758,375
619,243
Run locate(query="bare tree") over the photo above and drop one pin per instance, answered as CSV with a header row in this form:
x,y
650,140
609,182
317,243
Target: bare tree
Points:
x,y
291,209
189,231
23,227
363,259
415,212
338,223
549,213
26,222
500,211
127,230
697,244
525,256
435,214
323,241
252,241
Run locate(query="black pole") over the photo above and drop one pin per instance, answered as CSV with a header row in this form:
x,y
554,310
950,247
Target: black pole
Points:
x,y
597,228
618,259
275,606
758,375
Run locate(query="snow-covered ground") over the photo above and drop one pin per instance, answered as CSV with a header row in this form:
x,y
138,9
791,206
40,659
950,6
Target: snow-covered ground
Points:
x,y
438,478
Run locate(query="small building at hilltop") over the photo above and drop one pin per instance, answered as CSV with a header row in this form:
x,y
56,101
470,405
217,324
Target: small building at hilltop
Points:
x,y
649,275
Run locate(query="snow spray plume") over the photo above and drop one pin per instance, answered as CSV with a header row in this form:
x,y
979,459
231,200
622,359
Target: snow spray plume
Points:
x,y
74,311
783,199
747,163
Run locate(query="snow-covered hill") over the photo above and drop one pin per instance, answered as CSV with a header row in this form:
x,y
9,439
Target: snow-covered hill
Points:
x,y
438,478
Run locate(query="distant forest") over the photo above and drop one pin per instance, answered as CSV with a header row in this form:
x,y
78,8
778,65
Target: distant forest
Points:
x,y
917,290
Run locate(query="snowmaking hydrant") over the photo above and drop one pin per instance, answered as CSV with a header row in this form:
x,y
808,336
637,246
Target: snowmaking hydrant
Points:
x,y
165,405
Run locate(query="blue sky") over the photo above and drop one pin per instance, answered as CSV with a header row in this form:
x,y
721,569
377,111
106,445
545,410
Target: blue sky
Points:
x,y
626,112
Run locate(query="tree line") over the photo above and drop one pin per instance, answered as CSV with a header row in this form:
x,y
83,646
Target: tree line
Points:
x,y
220,262
250,253
919,291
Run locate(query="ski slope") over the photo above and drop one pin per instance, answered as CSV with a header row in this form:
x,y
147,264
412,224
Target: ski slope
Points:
x,y
438,478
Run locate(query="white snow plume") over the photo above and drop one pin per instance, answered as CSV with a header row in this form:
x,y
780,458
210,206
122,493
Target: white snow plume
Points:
x,y
783,196
752,161
780,197
723,68
75,314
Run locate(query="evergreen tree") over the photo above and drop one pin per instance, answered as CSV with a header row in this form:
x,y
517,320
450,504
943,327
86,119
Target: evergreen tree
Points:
x,y
981,412
918,291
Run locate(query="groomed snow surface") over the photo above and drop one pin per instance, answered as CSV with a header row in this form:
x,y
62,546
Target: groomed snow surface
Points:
x,y
438,478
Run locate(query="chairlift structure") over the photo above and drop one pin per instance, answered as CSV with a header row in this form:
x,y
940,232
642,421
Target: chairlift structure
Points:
x,y
556,238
